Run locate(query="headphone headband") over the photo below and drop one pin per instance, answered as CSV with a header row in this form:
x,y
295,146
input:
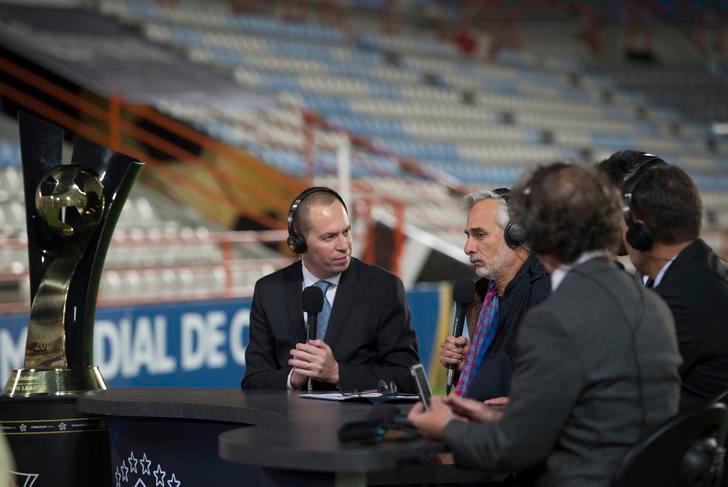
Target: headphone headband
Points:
x,y
513,233
503,193
638,234
633,177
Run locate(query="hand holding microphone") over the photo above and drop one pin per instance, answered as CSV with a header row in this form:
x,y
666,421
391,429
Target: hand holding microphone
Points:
x,y
456,346
312,300
453,351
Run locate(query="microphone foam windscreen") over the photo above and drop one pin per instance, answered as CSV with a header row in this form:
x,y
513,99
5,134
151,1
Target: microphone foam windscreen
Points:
x,y
312,299
463,291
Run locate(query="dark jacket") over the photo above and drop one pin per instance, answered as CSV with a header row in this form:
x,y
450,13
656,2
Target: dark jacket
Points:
x,y
696,291
530,286
597,369
369,330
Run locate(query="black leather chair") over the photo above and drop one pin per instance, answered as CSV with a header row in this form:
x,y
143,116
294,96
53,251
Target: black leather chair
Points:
x,y
723,399
685,451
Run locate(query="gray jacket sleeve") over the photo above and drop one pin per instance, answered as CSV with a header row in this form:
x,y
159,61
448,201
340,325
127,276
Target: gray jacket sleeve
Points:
x,y
546,383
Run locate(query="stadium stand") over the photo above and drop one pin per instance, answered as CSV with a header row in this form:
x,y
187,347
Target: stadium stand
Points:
x,y
423,121
418,97
160,249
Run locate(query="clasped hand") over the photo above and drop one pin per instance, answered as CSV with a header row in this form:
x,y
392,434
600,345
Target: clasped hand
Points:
x,y
313,359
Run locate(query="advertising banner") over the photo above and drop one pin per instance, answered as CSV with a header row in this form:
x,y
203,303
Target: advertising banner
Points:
x,y
195,344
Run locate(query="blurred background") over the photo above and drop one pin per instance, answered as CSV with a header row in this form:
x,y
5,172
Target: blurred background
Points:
x,y
403,106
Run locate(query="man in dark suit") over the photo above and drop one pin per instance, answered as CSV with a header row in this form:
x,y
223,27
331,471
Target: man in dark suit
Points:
x,y
512,281
598,361
664,215
364,332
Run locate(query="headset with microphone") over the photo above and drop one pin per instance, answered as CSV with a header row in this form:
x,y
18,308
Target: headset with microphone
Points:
x,y
296,241
638,235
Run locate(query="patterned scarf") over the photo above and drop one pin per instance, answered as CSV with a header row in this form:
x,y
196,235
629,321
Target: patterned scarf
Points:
x,y
483,336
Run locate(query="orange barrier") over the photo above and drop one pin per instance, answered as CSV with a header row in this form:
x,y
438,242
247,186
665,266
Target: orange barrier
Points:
x,y
248,187
114,122
229,265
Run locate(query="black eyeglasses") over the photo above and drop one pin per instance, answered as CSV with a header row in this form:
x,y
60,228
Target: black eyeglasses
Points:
x,y
382,388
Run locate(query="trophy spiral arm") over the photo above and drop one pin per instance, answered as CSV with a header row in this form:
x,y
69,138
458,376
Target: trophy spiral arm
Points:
x,y
71,212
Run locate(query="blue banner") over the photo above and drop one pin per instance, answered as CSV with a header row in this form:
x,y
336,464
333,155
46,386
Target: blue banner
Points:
x,y
188,344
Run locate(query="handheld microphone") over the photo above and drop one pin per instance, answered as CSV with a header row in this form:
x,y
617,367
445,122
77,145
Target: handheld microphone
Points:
x,y
463,293
313,302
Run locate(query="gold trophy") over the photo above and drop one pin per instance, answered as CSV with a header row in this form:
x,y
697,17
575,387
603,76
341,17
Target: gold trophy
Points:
x,y
71,212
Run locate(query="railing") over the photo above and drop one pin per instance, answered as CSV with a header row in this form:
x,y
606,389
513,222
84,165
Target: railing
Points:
x,y
122,125
220,191
220,268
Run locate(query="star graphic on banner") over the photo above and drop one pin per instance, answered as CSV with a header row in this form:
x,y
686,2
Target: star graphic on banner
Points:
x,y
133,463
173,482
140,483
146,464
159,476
124,471
23,428
118,477
62,426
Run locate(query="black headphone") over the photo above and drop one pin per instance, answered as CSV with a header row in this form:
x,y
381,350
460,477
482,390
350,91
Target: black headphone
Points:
x,y
514,233
296,242
638,235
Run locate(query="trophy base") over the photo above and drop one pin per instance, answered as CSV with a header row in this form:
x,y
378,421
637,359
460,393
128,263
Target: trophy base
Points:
x,y
53,382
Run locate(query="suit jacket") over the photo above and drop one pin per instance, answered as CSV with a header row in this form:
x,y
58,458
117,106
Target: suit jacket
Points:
x,y
597,369
530,286
696,291
369,330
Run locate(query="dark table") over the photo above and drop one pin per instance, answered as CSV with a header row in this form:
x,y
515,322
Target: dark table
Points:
x,y
264,437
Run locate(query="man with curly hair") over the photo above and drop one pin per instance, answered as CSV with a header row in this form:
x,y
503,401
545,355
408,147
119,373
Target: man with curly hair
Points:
x,y
598,361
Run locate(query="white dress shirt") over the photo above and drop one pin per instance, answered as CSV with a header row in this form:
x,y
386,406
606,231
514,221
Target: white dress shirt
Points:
x,y
560,272
660,274
309,280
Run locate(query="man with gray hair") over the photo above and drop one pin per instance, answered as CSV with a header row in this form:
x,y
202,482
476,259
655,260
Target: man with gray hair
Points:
x,y
512,281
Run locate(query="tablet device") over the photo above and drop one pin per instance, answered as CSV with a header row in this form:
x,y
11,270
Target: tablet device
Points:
x,y
423,387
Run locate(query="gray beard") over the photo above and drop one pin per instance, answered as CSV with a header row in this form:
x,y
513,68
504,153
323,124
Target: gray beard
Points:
x,y
490,274
502,261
